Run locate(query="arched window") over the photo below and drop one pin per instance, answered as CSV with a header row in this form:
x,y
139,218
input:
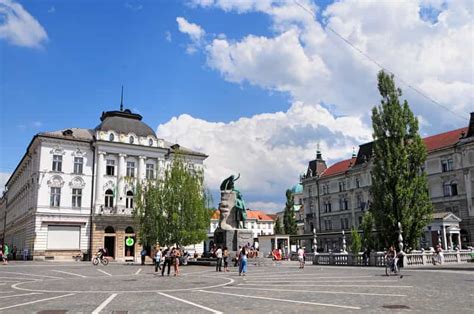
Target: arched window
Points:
x,y
111,137
129,230
150,142
131,139
109,198
129,200
109,229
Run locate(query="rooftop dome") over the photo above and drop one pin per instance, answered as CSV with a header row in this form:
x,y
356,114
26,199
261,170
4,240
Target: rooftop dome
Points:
x,y
124,122
297,188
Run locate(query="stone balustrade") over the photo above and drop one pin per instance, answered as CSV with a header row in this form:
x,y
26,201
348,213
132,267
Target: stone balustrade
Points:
x,y
412,259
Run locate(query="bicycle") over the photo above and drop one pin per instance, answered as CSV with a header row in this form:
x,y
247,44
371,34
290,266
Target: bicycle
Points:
x,y
102,259
391,267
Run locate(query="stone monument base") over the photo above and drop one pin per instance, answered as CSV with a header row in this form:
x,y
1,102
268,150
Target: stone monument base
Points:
x,y
232,239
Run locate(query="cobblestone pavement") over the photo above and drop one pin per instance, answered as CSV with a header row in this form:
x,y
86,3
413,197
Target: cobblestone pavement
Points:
x,y
52,287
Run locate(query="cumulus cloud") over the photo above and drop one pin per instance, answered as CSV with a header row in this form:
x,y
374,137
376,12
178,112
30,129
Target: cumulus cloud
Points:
x,y
269,150
194,31
18,27
4,176
332,86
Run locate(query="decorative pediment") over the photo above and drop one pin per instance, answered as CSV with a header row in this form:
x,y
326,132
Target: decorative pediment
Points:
x,y
57,150
451,217
109,185
78,153
56,182
77,183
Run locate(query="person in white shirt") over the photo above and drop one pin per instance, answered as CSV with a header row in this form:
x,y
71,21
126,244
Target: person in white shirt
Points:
x,y
219,259
158,259
301,256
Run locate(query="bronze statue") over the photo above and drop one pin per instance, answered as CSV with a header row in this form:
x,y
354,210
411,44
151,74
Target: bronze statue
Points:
x,y
228,184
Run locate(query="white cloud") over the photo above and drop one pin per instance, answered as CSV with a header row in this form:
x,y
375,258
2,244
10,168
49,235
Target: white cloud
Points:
x,y
4,176
18,27
194,31
133,7
269,150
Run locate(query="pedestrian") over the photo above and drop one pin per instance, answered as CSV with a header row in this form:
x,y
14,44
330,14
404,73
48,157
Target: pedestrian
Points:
x,y
157,260
243,261
25,254
177,255
301,257
226,259
5,253
219,259
14,253
143,254
167,254
237,257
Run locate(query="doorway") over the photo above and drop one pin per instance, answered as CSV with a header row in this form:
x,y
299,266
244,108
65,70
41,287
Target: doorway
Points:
x,y
109,245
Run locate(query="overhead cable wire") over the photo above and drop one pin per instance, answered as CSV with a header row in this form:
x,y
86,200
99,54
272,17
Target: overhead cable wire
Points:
x,y
381,66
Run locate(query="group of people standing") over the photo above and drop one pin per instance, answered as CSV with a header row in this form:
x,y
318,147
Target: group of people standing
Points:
x,y
170,256
223,257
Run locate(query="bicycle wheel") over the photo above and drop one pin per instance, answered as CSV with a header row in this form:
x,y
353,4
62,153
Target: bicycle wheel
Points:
x,y
95,261
104,261
387,270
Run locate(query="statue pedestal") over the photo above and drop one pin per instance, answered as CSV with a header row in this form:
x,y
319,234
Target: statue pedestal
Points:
x,y
232,239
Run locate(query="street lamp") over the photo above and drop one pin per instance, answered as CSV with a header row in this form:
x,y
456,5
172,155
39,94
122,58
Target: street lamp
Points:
x,y
315,241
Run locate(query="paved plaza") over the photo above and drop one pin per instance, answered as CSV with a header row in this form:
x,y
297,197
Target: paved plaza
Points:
x,y
52,287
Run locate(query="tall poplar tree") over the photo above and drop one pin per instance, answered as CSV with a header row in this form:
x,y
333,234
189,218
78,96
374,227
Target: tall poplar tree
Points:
x,y
399,185
174,208
289,220
277,229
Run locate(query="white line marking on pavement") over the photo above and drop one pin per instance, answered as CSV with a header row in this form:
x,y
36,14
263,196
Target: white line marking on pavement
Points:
x,y
104,304
68,273
104,272
12,272
18,295
323,292
138,271
282,300
37,301
277,278
352,286
190,303
331,281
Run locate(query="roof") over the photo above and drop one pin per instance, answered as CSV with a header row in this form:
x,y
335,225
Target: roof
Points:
x,y
339,167
124,122
444,215
316,167
251,214
176,147
443,140
73,133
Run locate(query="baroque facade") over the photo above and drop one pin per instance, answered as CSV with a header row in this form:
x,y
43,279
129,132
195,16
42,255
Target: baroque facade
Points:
x,y
73,190
336,197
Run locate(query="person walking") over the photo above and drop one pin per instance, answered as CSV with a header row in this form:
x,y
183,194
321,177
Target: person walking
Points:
x,y
237,257
243,261
219,259
6,250
176,256
143,254
301,257
225,253
157,259
167,254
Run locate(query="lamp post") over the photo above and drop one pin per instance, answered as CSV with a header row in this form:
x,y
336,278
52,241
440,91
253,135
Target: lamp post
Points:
x,y
400,237
344,242
315,241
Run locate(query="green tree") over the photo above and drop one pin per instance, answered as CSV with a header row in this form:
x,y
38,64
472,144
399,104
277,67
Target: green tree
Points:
x,y
399,185
278,229
289,220
367,227
356,242
173,209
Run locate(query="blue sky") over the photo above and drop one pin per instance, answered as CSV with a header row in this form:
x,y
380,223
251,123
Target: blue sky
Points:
x,y
265,73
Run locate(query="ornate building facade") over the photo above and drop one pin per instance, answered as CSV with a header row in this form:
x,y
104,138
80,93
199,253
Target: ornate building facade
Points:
x,y
335,198
73,190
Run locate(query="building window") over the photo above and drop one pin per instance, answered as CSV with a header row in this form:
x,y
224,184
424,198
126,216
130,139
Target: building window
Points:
x,y
130,169
109,199
359,201
131,140
357,183
327,207
111,137
450,188
129,200
110,169
342,186
150,142
57,163
76,198
454,188
150,171
360,220
78,161
55,199
447,165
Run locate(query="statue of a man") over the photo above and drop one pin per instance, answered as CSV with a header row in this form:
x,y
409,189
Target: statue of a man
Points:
x,y
240,213
228,184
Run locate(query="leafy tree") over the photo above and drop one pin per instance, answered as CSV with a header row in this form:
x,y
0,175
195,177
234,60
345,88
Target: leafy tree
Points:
x,y
278,229
367,227
356,242
399,185
173,209
289,220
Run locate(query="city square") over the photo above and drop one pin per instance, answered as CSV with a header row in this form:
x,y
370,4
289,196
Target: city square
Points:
x,y
52,287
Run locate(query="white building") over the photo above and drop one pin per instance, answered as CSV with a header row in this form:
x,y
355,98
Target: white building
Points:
x,y
72,192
